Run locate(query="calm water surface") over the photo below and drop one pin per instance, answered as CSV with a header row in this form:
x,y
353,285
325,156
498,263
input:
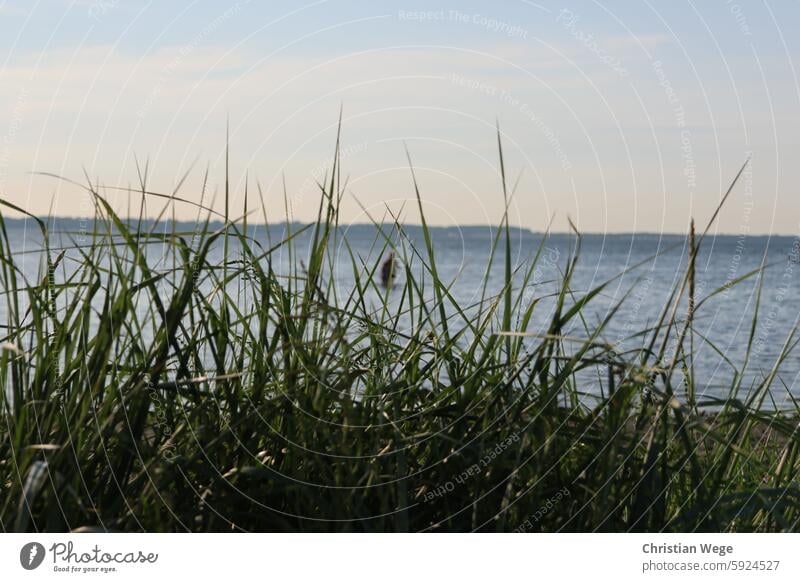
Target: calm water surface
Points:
x,y
645,268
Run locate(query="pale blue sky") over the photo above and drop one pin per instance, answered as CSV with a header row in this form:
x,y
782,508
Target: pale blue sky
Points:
x,y
623,115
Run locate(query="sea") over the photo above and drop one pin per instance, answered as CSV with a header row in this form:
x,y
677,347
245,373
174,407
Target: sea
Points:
x,y
746,288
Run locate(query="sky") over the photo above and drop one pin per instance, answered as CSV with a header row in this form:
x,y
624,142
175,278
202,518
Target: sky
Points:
x,y
618,116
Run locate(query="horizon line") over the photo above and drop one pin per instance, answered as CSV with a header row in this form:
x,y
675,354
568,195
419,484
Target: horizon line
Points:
x,y
220,220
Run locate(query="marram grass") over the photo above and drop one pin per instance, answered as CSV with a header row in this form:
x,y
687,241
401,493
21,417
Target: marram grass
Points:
x,y
192,394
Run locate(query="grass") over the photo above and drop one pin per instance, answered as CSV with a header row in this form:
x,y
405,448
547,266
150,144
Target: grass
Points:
x,y
179,392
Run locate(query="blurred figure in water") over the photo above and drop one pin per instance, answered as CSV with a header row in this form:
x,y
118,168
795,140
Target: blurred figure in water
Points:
x,y
387,271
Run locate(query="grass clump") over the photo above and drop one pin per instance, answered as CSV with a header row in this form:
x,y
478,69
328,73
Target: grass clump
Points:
x,y
184,390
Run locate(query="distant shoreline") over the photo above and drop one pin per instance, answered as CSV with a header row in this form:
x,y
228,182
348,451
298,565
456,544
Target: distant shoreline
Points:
x,y
15,221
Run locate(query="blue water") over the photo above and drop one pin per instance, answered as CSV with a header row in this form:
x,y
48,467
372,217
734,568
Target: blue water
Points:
x,y
644,270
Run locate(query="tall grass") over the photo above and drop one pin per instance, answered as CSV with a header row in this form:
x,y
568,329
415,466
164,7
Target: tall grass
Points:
x,y
196,394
